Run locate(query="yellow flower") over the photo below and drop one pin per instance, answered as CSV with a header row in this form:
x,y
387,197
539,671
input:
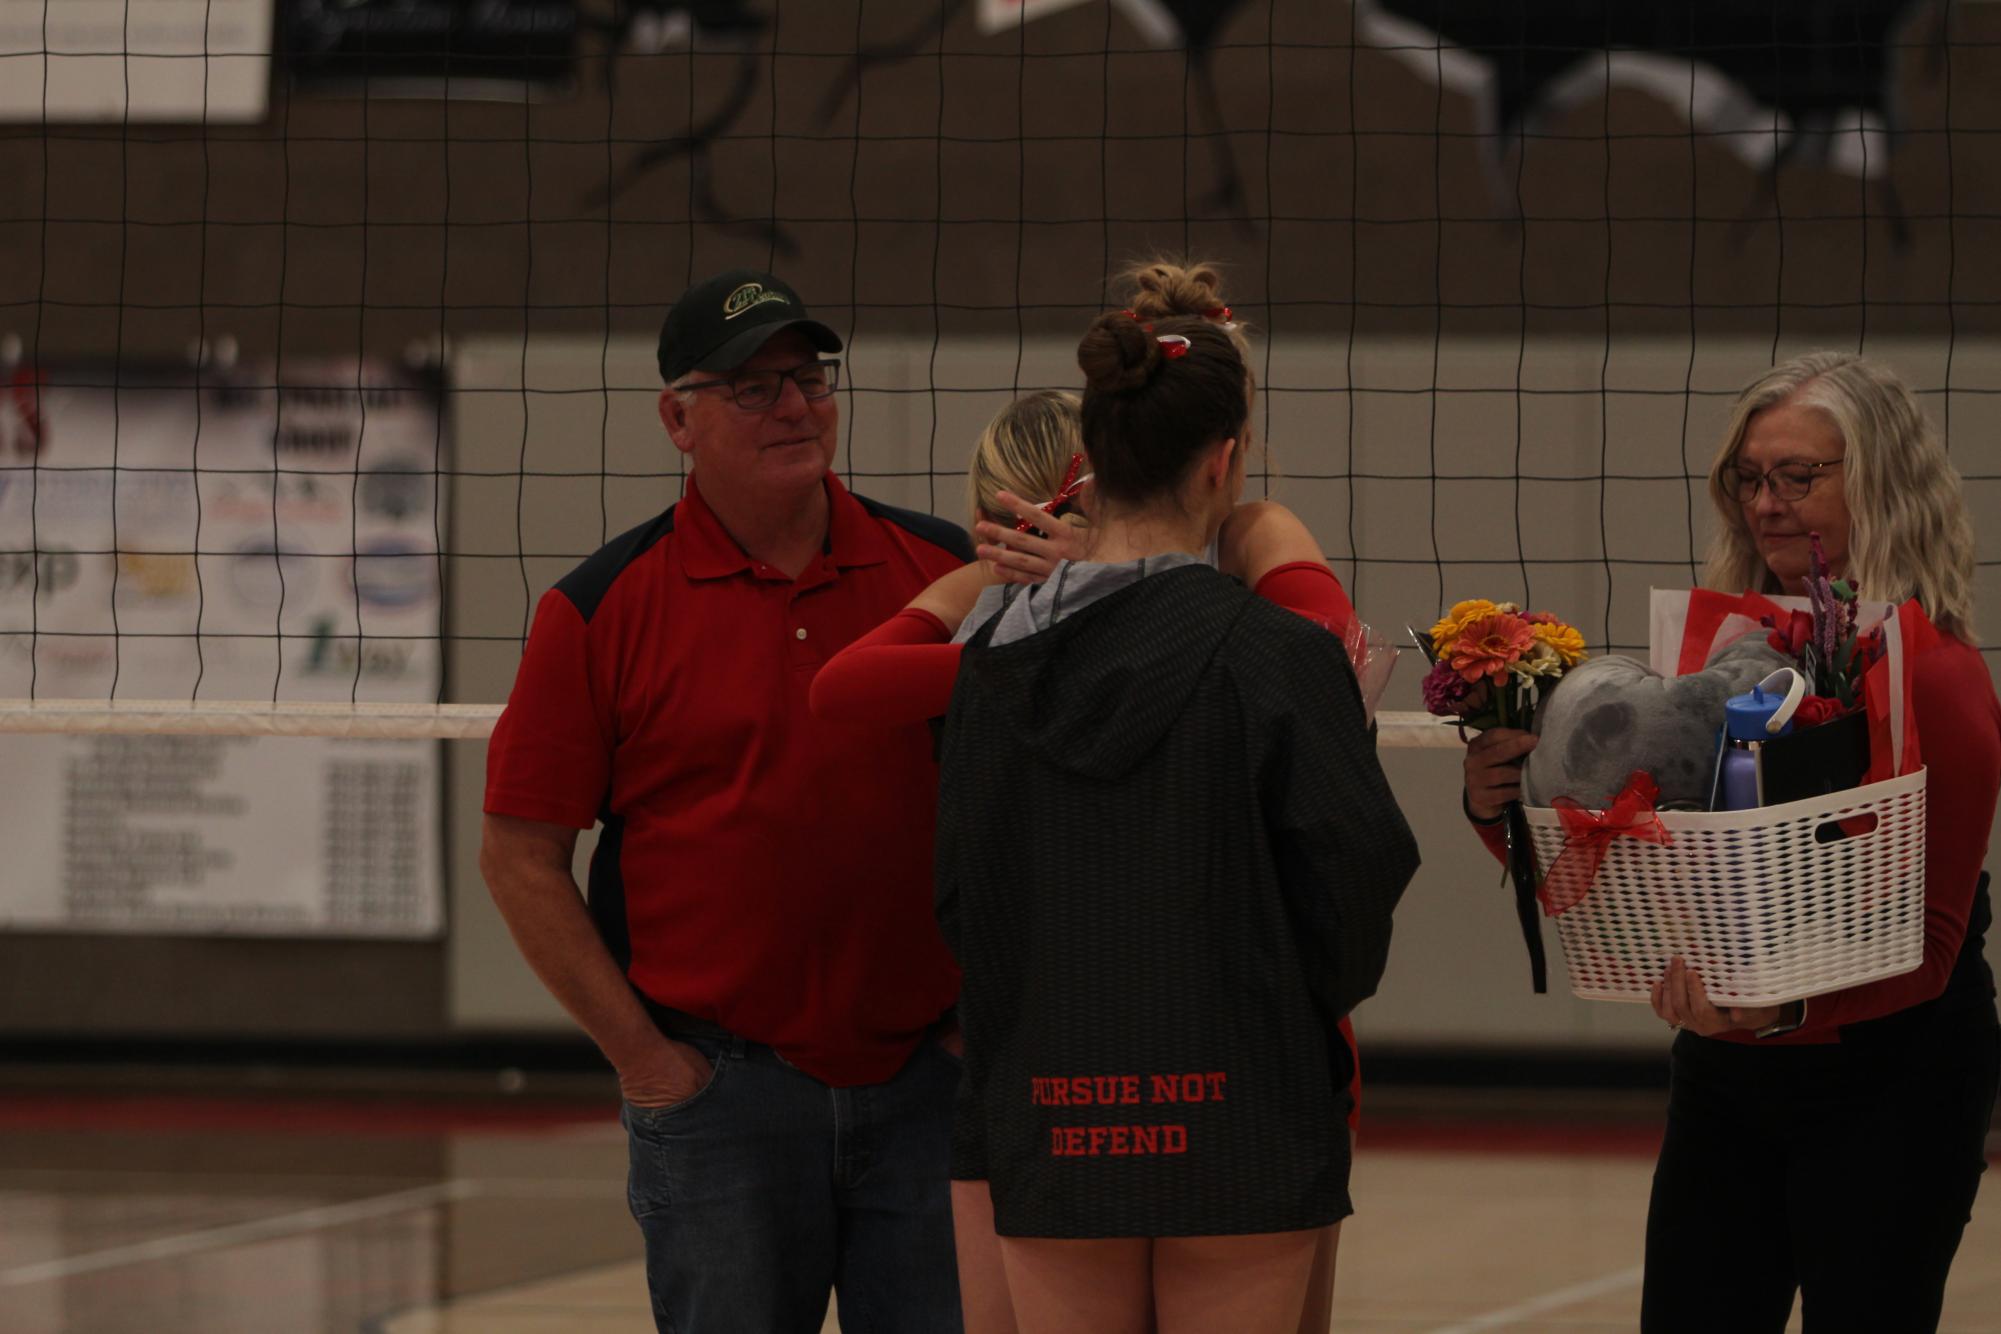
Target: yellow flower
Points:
x,y
1566,640
1457,619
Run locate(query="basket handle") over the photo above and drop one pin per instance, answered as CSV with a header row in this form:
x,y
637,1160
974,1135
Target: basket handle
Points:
x,y
1848,826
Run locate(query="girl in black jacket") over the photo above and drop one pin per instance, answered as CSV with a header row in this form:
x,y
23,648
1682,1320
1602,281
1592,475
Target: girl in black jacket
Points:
x,y
1166,861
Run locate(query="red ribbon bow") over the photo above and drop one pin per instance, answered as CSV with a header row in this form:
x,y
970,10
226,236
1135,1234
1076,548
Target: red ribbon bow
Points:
x,y
1588,835
1064,494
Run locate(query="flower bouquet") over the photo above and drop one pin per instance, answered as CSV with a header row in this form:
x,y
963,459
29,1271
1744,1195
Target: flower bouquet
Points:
x,y
1492,664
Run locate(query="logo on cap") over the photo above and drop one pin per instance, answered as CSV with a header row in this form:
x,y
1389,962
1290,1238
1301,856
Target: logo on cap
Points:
x,y
748,296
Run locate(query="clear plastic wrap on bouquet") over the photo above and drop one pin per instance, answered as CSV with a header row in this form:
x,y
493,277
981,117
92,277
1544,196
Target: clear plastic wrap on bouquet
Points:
x,y
1374,659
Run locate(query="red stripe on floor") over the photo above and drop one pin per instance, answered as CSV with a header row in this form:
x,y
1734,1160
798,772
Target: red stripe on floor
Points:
x,y
294,1116
1614,1140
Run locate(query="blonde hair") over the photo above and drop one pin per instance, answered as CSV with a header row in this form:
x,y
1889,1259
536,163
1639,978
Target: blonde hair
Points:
x,y
1909,535
1026,449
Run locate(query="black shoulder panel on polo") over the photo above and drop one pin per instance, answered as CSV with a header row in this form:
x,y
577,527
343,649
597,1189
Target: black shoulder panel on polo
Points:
x,y
586,585
940,533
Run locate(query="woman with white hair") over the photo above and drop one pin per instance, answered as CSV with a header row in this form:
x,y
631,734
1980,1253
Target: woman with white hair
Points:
x,y
1832,1147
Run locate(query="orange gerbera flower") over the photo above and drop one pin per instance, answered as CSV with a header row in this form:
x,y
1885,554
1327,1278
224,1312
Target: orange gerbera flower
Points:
x,y
1487,644
1462,614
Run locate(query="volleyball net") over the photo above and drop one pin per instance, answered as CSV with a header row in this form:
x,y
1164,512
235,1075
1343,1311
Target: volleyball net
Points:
x,y
327,336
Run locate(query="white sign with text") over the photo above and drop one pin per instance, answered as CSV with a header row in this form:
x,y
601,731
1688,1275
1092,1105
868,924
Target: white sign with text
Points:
x,y
221,540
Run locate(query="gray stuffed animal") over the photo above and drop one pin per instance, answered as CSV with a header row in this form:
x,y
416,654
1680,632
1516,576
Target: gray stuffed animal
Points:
x,y
1609,716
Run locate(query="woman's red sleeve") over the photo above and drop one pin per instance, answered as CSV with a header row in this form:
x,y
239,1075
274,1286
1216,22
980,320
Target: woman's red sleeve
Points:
x,y
1309,588
900,672
1495,837
1959,726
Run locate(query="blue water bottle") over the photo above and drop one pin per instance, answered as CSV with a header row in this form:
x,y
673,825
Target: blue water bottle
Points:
x,y
1749,721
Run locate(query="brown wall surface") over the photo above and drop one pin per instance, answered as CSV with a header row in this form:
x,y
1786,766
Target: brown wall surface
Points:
x,y
986,183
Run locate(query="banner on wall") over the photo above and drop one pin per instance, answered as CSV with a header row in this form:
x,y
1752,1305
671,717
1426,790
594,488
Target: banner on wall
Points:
x,y
492,49
222,539
114,60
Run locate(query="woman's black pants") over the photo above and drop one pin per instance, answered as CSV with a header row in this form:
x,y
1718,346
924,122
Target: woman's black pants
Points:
x,y
1844,1172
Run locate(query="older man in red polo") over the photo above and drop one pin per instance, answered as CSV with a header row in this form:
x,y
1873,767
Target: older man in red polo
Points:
x,y
757,956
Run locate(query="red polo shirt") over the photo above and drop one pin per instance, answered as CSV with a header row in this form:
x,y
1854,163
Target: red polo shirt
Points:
x,y
759,868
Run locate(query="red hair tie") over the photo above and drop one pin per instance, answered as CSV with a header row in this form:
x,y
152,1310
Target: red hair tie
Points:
x,y
1219,314
1172,346
1072,485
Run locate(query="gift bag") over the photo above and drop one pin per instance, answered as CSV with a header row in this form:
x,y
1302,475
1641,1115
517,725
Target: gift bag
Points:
x,y
1687,627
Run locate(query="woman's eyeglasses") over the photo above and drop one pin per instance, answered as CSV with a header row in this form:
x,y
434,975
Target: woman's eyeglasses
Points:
x,y
757,390
1789,481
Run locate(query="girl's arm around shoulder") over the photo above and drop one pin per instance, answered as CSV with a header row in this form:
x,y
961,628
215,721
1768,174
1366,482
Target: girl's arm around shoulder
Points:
x,y
950,597
1277,557
901,672
1261,535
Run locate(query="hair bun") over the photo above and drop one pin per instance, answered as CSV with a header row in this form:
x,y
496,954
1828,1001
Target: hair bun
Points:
x,y
1117,355
1165,288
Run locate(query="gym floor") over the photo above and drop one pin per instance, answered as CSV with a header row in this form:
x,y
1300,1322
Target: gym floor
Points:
x,y
230,1202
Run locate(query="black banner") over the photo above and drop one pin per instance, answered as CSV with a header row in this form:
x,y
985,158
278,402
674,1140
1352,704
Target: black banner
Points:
x,y
421,46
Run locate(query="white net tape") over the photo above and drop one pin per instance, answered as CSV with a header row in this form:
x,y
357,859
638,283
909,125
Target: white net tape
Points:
x,y
448,722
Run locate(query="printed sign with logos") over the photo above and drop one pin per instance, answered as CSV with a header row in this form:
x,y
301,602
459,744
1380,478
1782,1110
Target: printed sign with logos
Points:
x,y
205,61
224,538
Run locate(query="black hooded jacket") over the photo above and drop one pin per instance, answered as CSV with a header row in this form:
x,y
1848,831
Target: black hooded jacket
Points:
x,y
1167,859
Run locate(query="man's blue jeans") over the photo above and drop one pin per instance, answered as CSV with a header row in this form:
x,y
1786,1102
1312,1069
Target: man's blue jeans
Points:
x,y
768,1188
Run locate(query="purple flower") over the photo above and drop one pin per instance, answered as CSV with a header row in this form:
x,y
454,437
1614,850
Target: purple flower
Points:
x,y
1827,613
1444,689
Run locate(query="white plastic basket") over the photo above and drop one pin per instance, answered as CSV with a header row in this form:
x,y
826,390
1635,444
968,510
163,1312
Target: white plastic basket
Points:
x,y
1768,905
